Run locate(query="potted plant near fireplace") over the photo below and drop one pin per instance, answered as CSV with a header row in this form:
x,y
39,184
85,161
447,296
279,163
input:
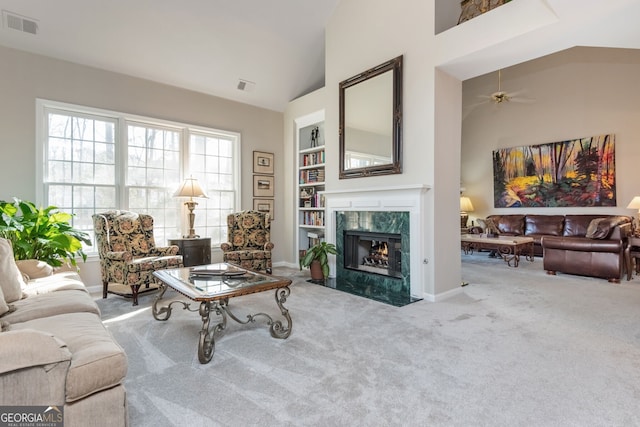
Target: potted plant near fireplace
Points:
x,y
317,259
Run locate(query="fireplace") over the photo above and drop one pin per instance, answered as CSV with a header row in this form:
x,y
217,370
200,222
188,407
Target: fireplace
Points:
x,y
377,253
397,210
374,259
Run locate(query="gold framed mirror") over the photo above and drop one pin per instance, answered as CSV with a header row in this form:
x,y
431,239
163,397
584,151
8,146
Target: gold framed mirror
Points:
x,y
370,122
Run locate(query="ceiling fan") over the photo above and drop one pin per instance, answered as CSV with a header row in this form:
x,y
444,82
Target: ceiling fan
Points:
x,y
497,98
501,96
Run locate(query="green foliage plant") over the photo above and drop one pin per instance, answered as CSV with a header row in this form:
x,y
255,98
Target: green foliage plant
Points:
x,y
319,252
44,234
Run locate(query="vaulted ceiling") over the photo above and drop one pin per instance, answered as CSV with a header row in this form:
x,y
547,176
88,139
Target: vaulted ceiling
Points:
x,y
202,45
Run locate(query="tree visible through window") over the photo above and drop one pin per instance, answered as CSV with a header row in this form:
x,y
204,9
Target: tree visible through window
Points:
x,y
95,161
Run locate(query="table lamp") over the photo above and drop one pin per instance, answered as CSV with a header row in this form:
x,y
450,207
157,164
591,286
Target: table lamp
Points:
x,y
635,204
465,207
190,188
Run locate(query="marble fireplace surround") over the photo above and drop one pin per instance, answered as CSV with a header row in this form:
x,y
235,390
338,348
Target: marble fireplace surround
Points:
x,y
409,199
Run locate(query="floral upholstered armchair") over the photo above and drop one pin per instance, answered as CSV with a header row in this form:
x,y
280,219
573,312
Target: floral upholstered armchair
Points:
x,y
249,246
128,254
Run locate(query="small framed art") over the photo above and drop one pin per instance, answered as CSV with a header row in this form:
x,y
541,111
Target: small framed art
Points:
x,y
263,186
264,206
262,162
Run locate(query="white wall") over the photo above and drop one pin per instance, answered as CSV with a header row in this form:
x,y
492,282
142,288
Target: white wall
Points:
x,y
25,77
359,26
434,66
580,92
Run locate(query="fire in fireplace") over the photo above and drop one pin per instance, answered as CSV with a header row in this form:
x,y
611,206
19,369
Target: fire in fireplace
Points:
x,y
378,253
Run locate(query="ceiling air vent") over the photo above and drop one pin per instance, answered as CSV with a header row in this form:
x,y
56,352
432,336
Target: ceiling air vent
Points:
x,y
20,23
246,85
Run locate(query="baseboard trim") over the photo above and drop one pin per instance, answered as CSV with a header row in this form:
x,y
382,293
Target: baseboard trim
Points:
x,y
285,264
443,295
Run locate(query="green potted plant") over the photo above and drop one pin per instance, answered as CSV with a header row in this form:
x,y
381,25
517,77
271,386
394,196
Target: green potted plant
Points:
x,y
44,234
317,259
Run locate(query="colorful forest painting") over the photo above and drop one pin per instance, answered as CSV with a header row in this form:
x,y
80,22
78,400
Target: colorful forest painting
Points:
x,y
579,172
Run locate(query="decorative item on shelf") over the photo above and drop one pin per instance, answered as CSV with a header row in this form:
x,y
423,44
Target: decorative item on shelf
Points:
x,y
474,8
190,188
306,192
315,134
635,204
465,207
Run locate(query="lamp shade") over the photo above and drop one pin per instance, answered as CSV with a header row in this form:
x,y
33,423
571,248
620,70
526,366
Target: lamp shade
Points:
x,y
635,203
190,188
465,204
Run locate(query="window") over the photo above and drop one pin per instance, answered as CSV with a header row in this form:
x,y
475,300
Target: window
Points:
x,y
94,160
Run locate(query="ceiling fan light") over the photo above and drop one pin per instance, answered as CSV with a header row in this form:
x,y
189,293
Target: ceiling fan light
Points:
x,y
499,97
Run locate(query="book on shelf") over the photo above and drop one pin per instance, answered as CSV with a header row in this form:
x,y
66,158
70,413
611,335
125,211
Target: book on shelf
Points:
x,y
315,238
314,218
311,175
313,158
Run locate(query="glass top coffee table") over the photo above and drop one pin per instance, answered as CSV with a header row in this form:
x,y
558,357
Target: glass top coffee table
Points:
x,y
212,286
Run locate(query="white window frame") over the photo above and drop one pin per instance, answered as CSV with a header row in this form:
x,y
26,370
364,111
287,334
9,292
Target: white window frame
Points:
x,y
122,120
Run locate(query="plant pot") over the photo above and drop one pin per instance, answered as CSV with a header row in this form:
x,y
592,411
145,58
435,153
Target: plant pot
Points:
x,y
316,271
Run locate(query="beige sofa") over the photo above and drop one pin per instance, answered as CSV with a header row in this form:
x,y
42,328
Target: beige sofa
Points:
x,y
55,351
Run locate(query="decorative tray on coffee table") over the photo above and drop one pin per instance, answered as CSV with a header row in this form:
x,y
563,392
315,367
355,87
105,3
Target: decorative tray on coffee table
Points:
x,y
217,270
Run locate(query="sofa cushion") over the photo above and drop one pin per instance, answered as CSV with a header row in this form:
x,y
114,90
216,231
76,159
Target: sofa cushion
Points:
x,y
11,280
52,304
576,225
97,362
550,225
600,228
509,224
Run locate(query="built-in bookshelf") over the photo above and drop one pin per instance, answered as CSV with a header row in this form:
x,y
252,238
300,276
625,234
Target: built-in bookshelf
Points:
x,y
311,178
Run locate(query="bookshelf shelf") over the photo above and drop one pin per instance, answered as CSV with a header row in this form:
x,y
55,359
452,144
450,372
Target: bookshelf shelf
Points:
x,y
311,180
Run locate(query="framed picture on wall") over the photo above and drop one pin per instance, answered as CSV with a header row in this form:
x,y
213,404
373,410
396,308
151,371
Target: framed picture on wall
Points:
x,y
262,162
264,206
263,186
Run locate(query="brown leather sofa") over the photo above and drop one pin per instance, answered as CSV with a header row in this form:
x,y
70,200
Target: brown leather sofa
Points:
x,y
562,241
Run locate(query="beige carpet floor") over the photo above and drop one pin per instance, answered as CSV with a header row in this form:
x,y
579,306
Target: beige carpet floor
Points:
x,y
516,348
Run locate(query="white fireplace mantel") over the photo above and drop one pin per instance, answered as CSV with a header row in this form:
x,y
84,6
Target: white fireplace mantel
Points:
x,y
409,198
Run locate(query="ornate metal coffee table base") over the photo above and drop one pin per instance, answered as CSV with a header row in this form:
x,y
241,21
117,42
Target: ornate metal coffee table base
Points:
x,y
509,249
206,343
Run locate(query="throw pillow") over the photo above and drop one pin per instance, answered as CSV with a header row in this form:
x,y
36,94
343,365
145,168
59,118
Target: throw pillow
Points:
x,y
11,280
34,268
600,228
597,231
492,228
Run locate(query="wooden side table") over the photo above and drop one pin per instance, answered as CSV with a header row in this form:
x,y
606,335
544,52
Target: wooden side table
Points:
x,y
196,251
633,256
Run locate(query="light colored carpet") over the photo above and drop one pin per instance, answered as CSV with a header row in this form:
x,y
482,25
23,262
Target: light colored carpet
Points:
x,y
517,348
